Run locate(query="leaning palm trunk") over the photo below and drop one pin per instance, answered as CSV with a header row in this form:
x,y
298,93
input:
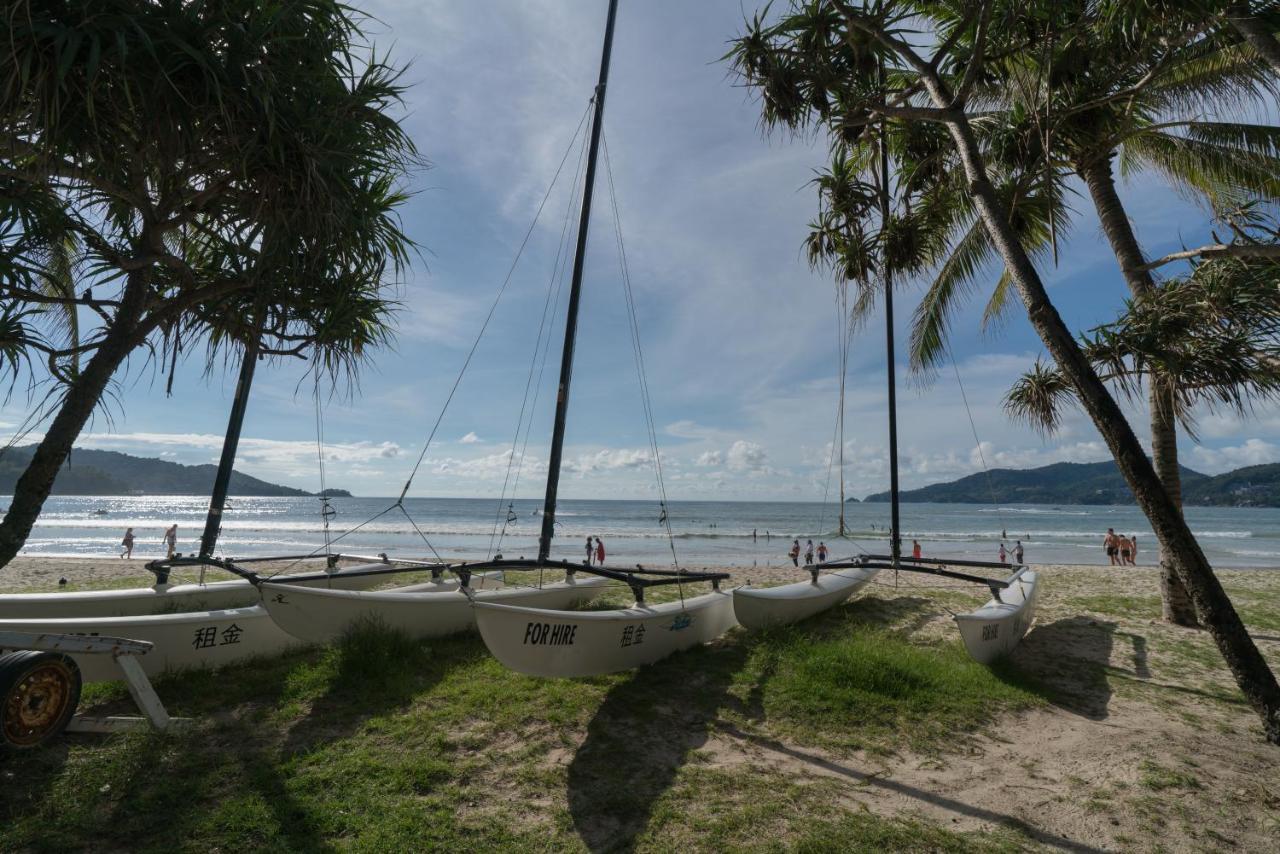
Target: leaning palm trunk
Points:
x,y
1097,174
80,399
1256,681
1254,31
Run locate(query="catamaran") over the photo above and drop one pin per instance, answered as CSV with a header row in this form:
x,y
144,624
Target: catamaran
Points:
x,y
988,632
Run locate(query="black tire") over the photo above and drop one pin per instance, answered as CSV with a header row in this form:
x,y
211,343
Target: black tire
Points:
x,y
39,692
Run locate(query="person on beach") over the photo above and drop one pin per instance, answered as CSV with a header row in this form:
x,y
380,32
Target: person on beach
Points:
x,y
822,552
599,552
1017,552
126,545
1125,551
915,549
808,553
1003,554
1133,550
753,535
171,539
590,551
794,554
1111,545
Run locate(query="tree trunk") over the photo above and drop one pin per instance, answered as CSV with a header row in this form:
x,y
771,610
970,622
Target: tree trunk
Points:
x,y
1256,681
81,398
1256,33
1177,605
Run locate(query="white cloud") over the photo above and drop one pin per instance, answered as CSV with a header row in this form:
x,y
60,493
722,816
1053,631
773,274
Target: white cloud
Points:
x,y
469,439
1252,452
709,458
746,456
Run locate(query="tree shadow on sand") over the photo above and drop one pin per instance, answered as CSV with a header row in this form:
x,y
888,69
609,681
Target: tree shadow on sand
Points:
x,y
1070,661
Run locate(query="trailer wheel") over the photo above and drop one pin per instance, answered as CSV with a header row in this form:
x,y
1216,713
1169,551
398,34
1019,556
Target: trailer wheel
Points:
x,y
39,692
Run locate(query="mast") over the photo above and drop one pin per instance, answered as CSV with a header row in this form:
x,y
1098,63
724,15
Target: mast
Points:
x,y
213,522
575,292
895,539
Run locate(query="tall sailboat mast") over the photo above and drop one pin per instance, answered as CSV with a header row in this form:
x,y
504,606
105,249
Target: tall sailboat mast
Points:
x,y
575,292
895,538
230,442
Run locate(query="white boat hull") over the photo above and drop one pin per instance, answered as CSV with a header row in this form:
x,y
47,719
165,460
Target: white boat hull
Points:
x,y
996,628
763,607
543,642
428,611
141,601
181,641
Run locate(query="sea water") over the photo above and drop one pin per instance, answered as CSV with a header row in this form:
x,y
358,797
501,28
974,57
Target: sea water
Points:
x,y
705,533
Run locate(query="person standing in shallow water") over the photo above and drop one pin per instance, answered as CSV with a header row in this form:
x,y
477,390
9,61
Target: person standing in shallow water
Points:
x,y
126,545
171,539
1125,551
599,552
794,554
590,551
1003,554
808,553
915,549
822,552
1111,545
1017,552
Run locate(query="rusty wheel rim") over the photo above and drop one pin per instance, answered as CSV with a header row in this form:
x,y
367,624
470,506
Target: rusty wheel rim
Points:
x,y
36,704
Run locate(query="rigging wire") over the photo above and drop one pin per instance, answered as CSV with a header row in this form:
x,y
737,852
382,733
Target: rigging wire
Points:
x,y
542,345
638,352
494,307
326,511
973,427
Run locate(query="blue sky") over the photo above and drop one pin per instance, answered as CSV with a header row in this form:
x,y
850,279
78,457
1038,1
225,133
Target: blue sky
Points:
x,y
739,335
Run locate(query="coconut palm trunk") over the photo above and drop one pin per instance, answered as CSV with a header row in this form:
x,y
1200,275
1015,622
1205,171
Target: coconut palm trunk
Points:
x,y
80,399
1256,681
1098,176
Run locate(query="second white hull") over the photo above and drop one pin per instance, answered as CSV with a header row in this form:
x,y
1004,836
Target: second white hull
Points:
x,y
996,628
141,601
762,607
321,616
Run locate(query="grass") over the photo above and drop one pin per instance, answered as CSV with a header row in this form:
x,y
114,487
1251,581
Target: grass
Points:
x,y
1158,778
382,743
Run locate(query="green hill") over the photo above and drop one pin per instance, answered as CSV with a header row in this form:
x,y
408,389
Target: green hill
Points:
x,y
91,472
1097,483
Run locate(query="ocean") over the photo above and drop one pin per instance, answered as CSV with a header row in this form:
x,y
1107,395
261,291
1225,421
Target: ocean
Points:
x,y
706,533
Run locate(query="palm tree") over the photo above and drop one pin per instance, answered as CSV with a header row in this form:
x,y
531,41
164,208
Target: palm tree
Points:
x,y
230,171
817,67
1093,87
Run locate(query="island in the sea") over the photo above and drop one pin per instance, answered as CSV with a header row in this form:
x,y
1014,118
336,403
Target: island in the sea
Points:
x,y
94,472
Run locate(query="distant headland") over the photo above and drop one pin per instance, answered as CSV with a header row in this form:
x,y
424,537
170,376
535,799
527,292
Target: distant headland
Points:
x,y
92,472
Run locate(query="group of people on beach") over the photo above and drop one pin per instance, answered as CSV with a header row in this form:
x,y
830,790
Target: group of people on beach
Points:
x,y
595,552
170,540
1121,550
794,554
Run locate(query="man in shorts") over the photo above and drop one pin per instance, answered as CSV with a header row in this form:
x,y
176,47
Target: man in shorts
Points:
x,y
1111,545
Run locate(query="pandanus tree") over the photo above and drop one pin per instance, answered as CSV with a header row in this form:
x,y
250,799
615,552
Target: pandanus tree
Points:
x,y
842,67
1072,88
227,173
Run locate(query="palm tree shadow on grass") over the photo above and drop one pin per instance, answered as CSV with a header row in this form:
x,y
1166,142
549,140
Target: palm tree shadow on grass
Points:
x,y
641,736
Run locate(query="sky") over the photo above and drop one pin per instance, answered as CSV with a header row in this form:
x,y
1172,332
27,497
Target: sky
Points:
x,y
739,336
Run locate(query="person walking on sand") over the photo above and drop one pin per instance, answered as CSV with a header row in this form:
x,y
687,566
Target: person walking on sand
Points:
x,y
126,545
1111,545
1017,553
1133,550
599,552
808,553
171,539
1125,550
915,549
1003,554
794,554
822,552
590,551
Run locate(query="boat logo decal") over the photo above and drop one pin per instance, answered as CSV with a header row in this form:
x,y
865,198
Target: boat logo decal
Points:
x,y
632,635
683,621
545,634
279,599
991,632
207,636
